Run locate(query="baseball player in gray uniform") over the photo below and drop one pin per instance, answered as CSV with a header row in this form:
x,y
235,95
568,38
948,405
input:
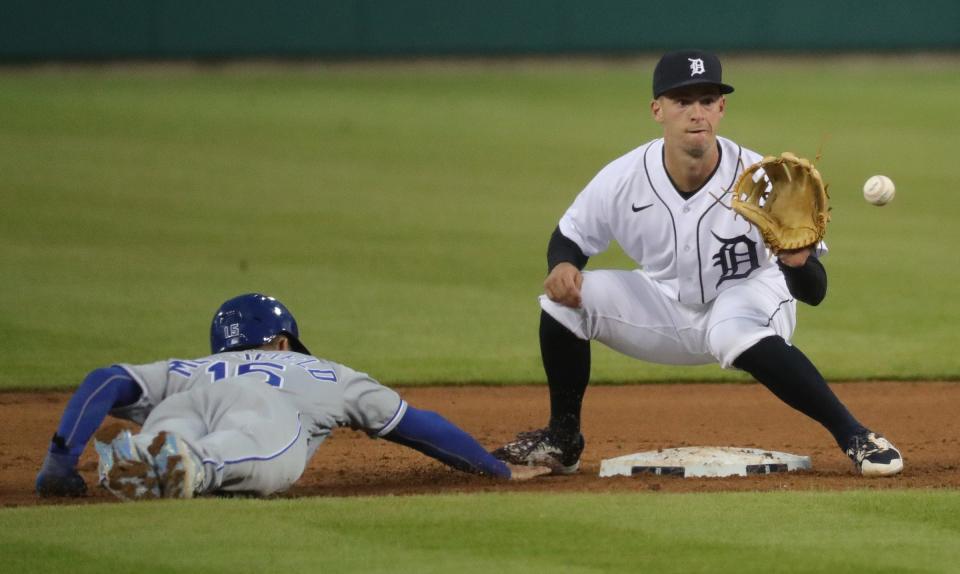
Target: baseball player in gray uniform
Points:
x,y
246,418
707,289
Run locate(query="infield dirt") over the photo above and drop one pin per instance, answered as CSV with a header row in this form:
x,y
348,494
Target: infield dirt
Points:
x,y
920,418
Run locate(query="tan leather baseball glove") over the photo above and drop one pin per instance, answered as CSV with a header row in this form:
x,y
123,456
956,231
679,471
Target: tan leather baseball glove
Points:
x,y
786,199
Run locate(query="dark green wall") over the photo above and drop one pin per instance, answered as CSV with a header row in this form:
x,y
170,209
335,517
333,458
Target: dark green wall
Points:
x,y
67,29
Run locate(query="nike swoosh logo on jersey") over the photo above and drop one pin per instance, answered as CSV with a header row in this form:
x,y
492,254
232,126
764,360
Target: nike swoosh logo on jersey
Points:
x,y
639,209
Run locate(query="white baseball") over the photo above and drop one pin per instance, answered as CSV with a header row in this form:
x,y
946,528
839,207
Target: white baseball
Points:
x,y
879,190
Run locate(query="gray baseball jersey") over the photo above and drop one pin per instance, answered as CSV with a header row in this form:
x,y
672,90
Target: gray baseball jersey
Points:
x,y
240,411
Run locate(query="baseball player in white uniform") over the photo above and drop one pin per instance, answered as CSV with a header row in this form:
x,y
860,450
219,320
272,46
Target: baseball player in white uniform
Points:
x,y
707,289
246,418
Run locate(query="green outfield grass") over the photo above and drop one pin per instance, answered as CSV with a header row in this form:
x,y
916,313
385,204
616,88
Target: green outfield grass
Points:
x,y
402,212
773,532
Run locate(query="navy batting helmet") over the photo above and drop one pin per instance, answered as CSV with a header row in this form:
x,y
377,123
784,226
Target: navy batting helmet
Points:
x,y
251,320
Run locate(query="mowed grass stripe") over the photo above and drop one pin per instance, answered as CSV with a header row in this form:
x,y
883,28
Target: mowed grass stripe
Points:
x,y
403,212
735,532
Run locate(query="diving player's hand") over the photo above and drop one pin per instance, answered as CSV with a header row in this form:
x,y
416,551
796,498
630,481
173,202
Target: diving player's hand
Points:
x,y
59,477
794,257
520,472
563,285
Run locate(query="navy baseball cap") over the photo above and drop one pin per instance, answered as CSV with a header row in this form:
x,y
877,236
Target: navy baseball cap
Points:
x,y
687,68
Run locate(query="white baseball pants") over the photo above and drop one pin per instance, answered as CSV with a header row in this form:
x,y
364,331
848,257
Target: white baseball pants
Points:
x,y
630,313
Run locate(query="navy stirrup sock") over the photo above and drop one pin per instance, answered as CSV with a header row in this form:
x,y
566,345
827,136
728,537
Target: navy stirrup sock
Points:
x,y
790,375
566,361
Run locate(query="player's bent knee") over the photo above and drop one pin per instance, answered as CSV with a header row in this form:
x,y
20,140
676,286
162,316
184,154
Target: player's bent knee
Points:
x,y
728,339
598,287
566,318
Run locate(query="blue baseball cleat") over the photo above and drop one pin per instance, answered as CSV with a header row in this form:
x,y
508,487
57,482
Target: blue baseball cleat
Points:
x,y
179,472
165,469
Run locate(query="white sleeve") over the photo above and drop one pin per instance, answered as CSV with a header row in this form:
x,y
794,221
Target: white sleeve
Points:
x,y
587,221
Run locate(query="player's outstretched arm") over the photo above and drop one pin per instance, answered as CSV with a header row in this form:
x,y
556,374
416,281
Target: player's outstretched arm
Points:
x,y
435,436
519,472
102,390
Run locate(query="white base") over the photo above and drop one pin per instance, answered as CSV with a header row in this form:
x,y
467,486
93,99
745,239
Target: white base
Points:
x,y
695,461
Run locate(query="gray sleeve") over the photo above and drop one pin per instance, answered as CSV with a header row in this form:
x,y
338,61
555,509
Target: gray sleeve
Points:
x,y
369,405
152,378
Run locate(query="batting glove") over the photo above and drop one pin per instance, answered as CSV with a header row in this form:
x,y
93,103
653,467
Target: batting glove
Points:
x,y
59,477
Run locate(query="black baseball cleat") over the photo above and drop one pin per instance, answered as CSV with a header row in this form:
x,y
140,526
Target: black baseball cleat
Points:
x,y
873,455
542,447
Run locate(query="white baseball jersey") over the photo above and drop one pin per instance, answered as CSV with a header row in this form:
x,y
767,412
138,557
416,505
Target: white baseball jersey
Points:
x,y
693,249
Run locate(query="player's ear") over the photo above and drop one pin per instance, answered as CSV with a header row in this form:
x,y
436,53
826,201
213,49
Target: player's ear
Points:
x,y
279,343
656,110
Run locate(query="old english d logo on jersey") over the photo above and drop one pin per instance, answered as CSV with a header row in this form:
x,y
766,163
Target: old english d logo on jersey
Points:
x,y
737,257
